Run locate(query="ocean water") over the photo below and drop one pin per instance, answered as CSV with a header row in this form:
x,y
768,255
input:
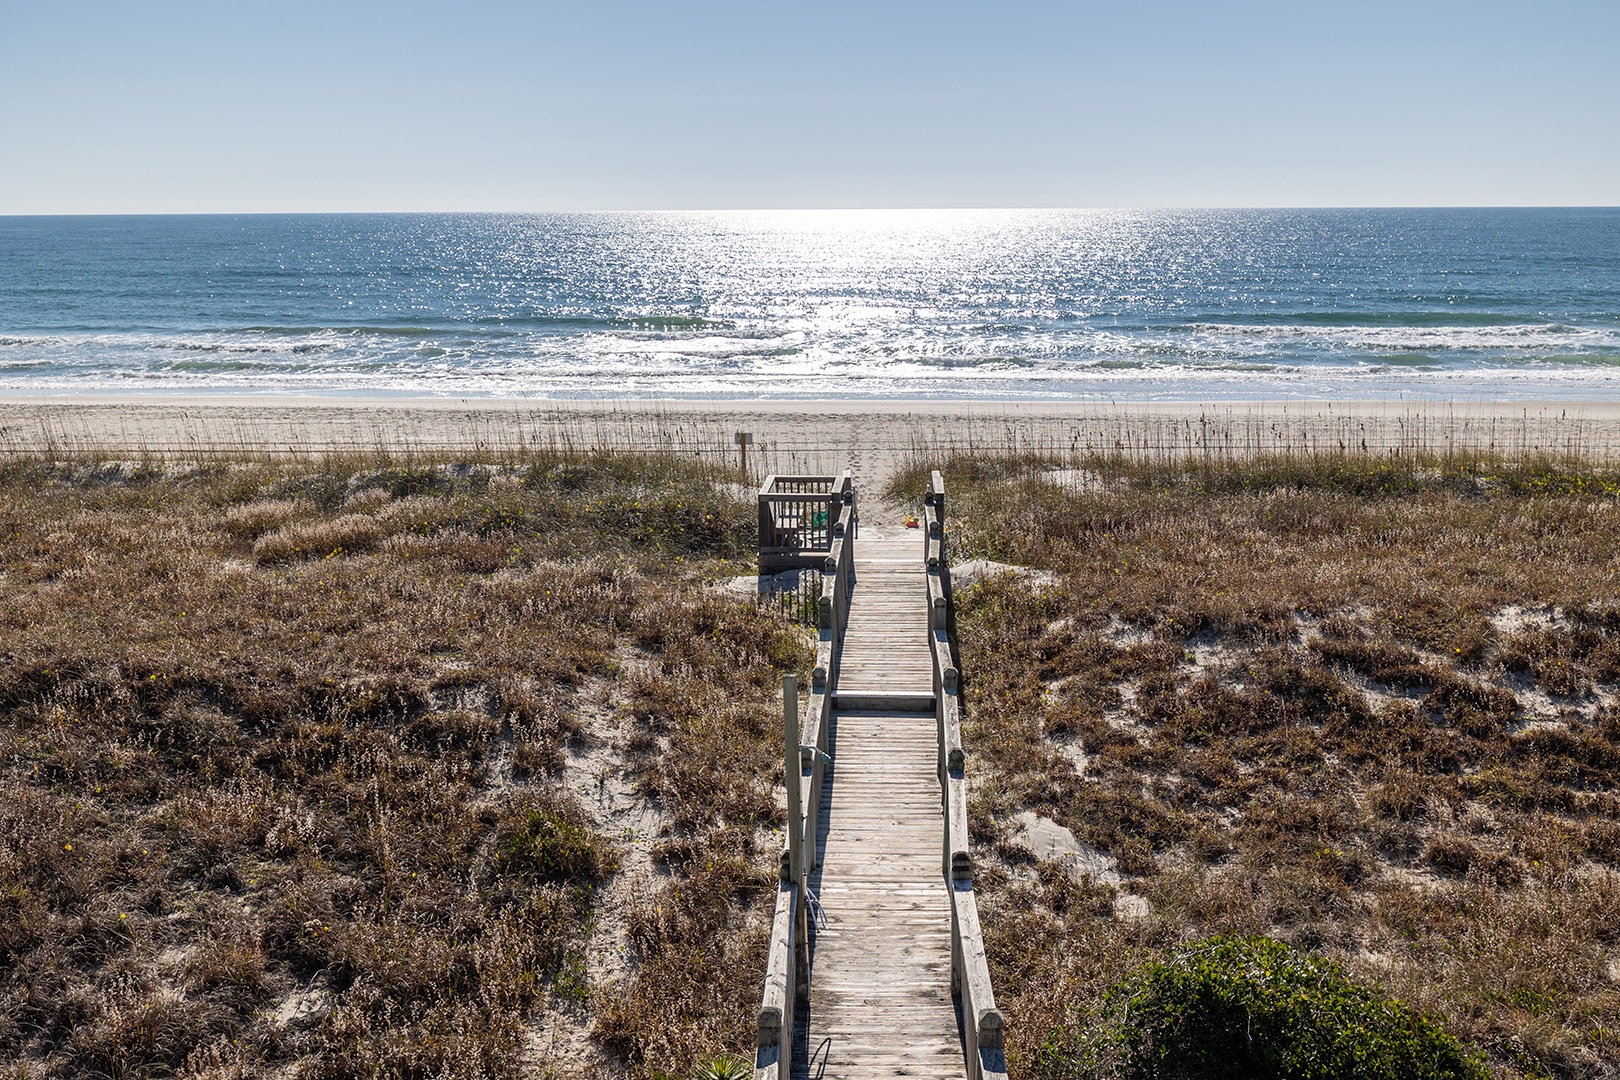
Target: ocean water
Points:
x,y
1463,304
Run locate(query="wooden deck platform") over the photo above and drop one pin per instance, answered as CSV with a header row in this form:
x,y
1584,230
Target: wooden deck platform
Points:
x,y
880,965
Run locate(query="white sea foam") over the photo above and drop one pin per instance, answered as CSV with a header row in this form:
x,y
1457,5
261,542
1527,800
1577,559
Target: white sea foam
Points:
x,y
1004,304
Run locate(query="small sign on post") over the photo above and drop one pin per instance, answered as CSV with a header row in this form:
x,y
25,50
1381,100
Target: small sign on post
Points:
x,y
745,439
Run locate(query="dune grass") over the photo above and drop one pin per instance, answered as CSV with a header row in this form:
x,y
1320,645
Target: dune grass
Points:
x,y
1364,704
285,753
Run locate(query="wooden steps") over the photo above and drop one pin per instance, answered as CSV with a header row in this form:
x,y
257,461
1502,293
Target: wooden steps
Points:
x,y
895,701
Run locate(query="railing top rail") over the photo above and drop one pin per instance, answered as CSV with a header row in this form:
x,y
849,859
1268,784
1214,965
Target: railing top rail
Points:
x,y
805,747
774,484
982,1027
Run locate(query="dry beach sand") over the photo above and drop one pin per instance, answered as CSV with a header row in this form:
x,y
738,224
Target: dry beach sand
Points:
x,y
871,437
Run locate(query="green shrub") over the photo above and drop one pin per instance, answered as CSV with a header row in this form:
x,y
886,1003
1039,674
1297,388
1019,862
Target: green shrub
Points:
x,y
546,843
1253,1008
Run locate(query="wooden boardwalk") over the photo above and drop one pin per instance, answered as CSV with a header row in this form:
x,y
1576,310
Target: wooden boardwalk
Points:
x,y
876,964
886,660
880,963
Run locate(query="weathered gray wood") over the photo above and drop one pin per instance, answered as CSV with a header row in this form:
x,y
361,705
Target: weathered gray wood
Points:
x,y
799,516
793,769
787,960
982,1023
812,749
880,986
884,829
774,1029
878,701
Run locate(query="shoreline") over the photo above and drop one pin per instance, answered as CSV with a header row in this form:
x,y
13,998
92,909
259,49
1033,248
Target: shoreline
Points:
x,y
871,436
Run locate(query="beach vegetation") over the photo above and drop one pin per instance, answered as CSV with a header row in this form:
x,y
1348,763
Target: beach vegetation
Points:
x,y
1363,705
374,766
726,1067
1253,1009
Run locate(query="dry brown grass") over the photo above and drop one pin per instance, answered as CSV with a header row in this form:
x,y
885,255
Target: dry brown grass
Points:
x,y
1370,706
282,752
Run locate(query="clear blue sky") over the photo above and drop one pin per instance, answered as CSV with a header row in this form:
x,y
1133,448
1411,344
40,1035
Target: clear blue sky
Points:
x,y
604,104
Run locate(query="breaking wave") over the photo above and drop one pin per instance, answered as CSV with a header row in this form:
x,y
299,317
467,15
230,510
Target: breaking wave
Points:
x,y
1008,304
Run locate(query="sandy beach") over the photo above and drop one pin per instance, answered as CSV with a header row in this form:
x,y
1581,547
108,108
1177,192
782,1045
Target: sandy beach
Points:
x,y
869,436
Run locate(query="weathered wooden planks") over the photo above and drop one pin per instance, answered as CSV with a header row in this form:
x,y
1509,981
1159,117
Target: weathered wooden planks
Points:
x,y
880,966
880,983
886,649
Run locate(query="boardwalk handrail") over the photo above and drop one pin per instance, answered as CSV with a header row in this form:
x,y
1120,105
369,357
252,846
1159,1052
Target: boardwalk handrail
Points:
x,y
970,971
796,517
805,761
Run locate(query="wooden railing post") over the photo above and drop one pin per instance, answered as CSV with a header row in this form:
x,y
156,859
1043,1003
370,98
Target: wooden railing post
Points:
x,y
767,527
795,805
853,499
